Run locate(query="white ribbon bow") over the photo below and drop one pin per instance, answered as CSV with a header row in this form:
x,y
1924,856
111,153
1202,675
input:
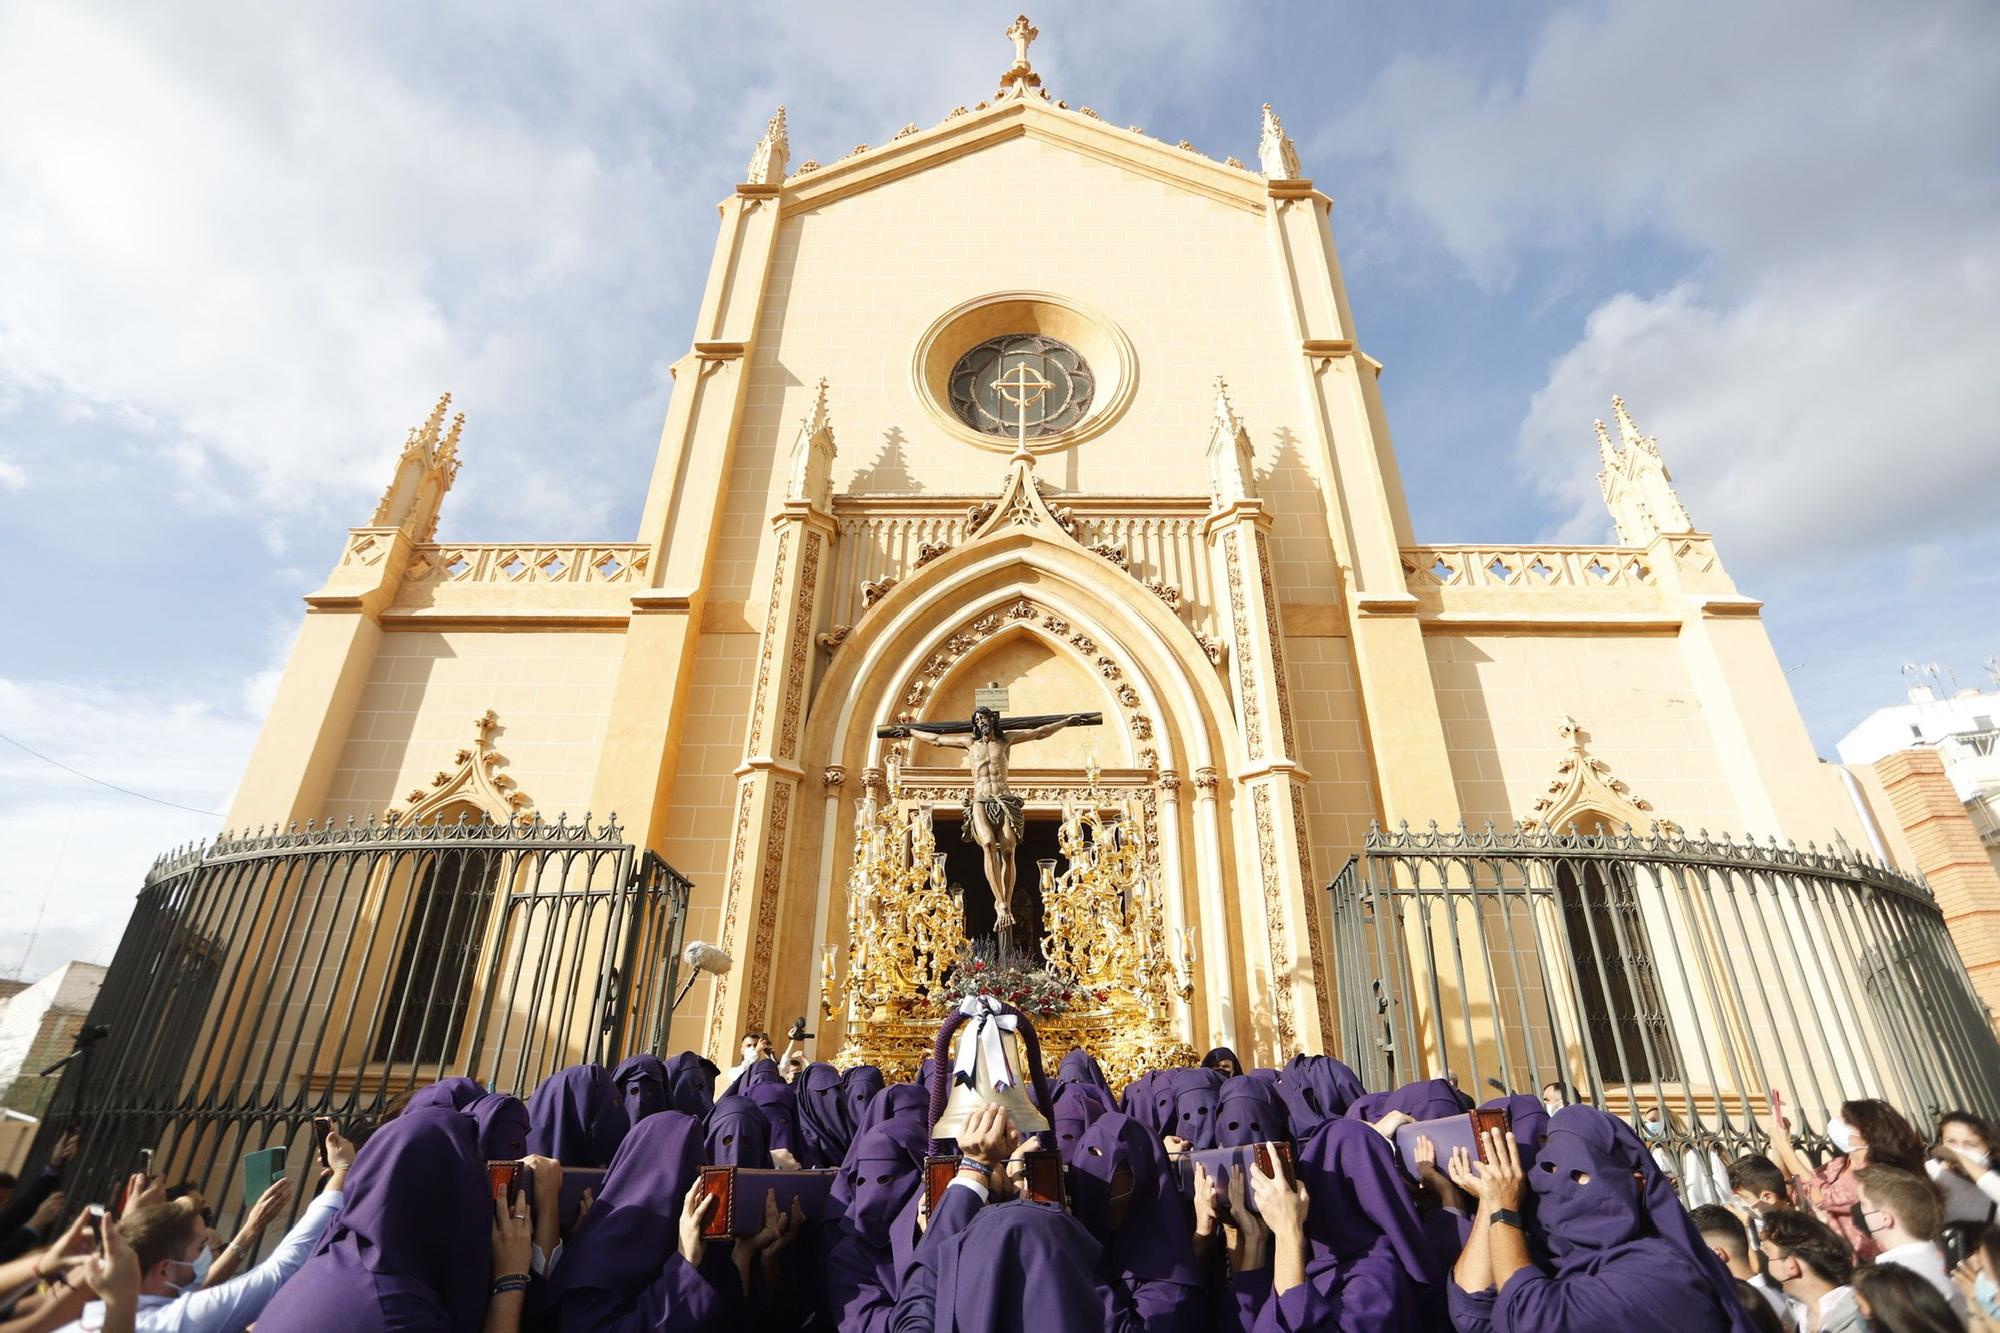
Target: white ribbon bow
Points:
x,y
984,1040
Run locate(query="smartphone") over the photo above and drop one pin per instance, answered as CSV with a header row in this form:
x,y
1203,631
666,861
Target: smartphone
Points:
x,y
1483,1120
261,1170
506,1180
322,1126
145,1161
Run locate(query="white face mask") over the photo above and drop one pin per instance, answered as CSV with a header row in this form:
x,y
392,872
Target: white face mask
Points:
x,y
200,1264
1973,1155
1841,1134
1552,1107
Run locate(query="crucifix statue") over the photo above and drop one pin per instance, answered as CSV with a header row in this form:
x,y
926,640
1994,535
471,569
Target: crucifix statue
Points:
x,y
994,815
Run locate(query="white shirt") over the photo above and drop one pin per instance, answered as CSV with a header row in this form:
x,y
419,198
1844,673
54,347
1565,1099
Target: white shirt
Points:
x,y
232,1306
1926,1260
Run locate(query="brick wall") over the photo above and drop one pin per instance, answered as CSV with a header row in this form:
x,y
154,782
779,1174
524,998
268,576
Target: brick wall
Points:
x,y
1950,855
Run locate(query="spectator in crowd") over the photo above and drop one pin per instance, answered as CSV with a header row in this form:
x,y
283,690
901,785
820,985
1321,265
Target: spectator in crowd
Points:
x,y
1962,1168
1223,1061
26,1215
1894,1299
1757,1188
1814,1264
1863,1132
1725,1233
1978,1283
1555,1096
1900,1211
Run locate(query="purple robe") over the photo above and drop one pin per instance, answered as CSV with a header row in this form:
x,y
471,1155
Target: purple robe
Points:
x,y
1429,1099
1074,1111
760,1071
1148,1259
1247,1111
410,1247
622,1268
1368,1264
503,1126
642,1081
1316,1088
579,1118
454,1094
738,1135
1080,1066
859,1087
1016,1267
824,1128
781,1112
1194,1106
898,1101
691,1084
872,1199
1624,1255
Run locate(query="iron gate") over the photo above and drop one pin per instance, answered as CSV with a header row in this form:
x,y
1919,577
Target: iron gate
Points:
x,y
1686,974
266,980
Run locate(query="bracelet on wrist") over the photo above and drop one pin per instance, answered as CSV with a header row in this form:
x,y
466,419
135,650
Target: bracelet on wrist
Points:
x,y
974,1164
510,1282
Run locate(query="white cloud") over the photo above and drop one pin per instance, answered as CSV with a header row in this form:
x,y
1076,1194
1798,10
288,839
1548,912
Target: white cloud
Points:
x,y
13,476
1821,375
82,849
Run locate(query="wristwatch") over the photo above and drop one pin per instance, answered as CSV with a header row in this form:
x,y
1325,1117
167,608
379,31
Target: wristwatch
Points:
x,y
1507,1217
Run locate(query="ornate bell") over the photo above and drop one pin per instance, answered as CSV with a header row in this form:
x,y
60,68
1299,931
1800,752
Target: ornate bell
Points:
x,y
965,1098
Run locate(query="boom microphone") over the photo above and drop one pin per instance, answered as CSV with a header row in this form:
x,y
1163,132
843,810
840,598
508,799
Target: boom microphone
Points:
x,y
705,957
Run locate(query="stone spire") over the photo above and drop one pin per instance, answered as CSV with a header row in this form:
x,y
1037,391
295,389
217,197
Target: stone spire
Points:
x,y
1638,490
1020,78
810,479
767,159
424,472
1277,155
1232,476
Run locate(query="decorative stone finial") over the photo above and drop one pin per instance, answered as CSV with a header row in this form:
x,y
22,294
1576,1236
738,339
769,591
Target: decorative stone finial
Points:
x,y
424,472
1232,476
1277,156
767,159
811,478
1638,489
1020,76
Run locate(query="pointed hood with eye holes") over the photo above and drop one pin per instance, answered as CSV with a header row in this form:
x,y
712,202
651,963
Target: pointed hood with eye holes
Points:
x,y
1152,1243
1076,1109
884,1168
1588,1204
1195,1097
1247,1111
738,1135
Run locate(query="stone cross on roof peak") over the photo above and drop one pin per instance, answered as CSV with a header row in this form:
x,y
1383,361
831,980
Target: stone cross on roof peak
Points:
x,y
1020,76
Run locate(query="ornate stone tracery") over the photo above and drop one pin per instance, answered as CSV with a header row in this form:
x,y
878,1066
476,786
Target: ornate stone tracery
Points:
x,y
1583,785
475,779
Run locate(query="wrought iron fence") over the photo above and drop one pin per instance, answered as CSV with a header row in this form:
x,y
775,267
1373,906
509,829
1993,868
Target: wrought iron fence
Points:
x,y
266,980
1688,975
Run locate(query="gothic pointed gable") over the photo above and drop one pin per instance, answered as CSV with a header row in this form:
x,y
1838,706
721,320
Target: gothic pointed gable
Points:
x,y
473,779
1584,785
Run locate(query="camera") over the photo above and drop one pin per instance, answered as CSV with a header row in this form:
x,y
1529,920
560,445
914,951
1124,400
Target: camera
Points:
x,y
798,1030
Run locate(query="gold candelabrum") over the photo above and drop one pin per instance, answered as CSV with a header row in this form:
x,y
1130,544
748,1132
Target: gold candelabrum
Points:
x,y
1102,931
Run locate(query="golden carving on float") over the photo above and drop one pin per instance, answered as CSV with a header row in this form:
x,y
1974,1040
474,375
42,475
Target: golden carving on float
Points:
x,y
1103,931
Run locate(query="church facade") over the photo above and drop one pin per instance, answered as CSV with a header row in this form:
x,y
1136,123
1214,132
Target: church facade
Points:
x,y
1196,528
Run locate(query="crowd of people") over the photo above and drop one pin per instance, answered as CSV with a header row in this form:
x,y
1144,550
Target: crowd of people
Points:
x,y
1560,1217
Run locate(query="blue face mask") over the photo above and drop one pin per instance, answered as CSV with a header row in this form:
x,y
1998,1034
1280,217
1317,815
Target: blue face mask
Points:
x,y
1987,1294
201,1263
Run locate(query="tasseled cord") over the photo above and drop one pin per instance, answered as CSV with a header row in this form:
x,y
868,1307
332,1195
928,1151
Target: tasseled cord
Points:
x,y
941,1074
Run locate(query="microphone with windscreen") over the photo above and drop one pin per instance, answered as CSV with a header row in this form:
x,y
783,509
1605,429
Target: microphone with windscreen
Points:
x,y
701,956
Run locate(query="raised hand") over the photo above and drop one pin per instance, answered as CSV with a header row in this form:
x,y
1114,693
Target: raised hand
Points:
x,y
1207,1202
64,1152
1500,1176
695,1209
1462,1174
1390,1123
112,1271
513,1237
272,1203
46,1215
989,1136
1249,1238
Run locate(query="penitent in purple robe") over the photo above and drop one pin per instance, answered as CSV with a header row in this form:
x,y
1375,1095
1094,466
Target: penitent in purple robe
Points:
x,y
1148,1259
579,1118
1080,1066
691,1084
1247,1111
859,1087
1316,1088
1194,1106
455,1094
898,1101
1625,1256
1076,1106
1428,1099
1367,1264
1019,1267
872,1200
621,1269
824,1127
503,1126
410,1250
642,1081
738,1135
780,1106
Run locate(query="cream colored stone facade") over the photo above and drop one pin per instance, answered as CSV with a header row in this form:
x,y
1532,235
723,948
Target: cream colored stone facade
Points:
x,y
1275,655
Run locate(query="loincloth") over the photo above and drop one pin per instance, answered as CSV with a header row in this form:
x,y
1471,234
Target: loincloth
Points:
x,y
1009,810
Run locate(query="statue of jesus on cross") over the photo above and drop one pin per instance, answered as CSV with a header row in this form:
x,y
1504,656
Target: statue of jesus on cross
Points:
x,y
994,816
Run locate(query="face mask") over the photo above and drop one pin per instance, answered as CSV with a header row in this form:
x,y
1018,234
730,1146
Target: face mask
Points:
x,y
200,1264
1842,1136
1654,1129
1974,1156
1860,1216
1552,1107
1987,1294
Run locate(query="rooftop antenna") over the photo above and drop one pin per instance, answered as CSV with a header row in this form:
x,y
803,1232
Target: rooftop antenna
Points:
x,y
1992,665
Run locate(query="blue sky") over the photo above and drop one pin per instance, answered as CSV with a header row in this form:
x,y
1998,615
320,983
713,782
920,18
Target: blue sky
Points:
x,y
243,248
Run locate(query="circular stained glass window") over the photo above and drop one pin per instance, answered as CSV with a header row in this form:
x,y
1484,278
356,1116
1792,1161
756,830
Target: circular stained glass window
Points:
x,y
986,403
